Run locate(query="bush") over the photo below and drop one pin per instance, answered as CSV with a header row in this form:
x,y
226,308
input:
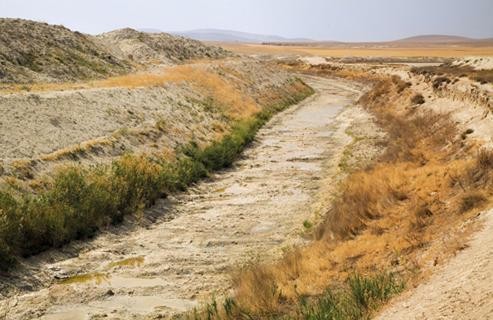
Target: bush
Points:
x,y
356,300
418,99
400,84
472,200
9,229
485,159
439,81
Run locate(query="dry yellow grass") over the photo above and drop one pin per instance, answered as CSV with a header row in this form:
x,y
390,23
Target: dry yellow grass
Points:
x,y
223,94
443,52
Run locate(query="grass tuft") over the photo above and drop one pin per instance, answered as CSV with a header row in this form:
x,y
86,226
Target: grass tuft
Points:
x,y
357,298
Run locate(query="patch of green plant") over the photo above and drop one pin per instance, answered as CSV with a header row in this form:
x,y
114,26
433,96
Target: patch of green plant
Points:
x,y
356,299
307,224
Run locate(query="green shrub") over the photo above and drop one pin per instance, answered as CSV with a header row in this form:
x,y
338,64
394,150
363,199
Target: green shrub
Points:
x,y
369,292
9,229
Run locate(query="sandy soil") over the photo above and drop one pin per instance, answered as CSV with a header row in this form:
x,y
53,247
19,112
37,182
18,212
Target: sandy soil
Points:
x,y
461,289
253,210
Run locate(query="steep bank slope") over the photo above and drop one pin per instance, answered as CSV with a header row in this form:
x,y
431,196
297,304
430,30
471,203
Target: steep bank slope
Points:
x,y
460,289
134,113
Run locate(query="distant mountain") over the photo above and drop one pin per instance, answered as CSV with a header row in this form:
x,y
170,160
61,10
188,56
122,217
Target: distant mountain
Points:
x,y
437,38
420,40
234,36
220,35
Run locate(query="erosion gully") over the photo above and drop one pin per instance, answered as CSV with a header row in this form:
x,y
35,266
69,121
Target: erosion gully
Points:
x,y
187,253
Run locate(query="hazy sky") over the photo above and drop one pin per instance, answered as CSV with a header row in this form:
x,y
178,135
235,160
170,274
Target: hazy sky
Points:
x,y
346,20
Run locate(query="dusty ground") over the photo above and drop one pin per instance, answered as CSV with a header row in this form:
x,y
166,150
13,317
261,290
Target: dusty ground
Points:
x,y
257,208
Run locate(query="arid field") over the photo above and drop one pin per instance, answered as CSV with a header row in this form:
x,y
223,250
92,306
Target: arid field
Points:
x,y
147,175
365,50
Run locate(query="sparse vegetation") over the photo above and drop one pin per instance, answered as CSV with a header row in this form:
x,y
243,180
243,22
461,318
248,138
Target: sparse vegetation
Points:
x,y
472,200
446,71
439,82
307,224
466,133
400,84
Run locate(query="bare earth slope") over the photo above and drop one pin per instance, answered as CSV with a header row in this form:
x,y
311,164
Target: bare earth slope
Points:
x,y
257,207
459,290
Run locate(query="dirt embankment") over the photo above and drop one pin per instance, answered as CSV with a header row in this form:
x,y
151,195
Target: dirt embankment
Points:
x,y
460,289
160,48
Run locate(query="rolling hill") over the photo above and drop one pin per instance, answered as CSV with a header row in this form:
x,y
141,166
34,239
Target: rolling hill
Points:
x,y
235,36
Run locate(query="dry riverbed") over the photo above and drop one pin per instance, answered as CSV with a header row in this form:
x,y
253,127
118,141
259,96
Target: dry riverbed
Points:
x,y
145,269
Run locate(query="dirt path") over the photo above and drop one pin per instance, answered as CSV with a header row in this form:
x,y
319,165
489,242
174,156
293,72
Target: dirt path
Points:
x,y
258,207
462,289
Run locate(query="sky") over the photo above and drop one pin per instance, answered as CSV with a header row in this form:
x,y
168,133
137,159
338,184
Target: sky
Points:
x,y
341,20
